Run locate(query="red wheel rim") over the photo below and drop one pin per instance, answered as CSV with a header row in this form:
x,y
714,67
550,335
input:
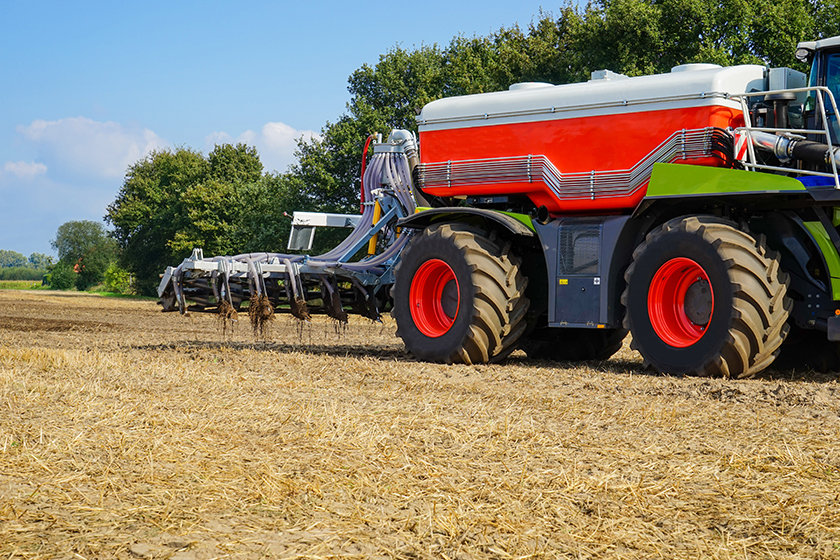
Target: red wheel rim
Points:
x,y
434,298
680,302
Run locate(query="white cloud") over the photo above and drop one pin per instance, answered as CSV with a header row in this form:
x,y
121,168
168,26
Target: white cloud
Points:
x,y
25,170
41,204
90,148
276,143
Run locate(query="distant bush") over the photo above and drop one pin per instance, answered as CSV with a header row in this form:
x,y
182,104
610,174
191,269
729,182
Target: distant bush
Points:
x,y
62,277
117,280
21,273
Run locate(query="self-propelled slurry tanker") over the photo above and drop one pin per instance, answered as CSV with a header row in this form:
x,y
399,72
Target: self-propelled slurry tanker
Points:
x,y
696,209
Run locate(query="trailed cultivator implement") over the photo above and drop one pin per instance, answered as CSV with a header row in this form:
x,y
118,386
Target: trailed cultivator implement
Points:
x,y
334,279
697,210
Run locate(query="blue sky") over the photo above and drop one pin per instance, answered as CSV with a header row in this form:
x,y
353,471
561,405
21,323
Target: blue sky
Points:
x,y
87,88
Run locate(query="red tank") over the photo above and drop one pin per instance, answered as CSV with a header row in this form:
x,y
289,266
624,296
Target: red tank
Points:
x,y
579,148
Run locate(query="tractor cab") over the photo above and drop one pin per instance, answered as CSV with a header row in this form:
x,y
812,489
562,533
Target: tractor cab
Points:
x,y
824,56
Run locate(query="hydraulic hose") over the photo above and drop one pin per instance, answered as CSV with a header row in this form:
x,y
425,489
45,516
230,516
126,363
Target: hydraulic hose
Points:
x,y
362,175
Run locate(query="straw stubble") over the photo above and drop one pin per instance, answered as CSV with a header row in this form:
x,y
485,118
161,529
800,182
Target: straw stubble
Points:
x,y
127,433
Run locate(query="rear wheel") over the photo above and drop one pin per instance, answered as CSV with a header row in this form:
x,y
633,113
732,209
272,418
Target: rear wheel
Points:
x,y
573,344
459,296
704,298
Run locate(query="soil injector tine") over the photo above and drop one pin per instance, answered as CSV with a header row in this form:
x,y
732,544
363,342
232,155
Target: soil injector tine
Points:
x,y
296,302
332,300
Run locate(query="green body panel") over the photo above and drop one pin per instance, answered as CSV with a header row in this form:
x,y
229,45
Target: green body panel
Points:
x,y
832,259
672,179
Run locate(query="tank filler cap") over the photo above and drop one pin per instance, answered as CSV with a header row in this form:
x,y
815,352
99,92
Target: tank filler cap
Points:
x,y
605,75
529,85
694,67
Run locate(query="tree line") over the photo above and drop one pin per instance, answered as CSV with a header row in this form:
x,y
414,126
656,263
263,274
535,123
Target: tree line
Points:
x,y
16,266
87,258
174,200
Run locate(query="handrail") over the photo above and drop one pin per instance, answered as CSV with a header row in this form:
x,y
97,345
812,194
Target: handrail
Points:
x,y
821,92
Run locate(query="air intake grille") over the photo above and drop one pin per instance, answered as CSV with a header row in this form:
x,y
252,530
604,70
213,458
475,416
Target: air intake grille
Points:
x,y
580,249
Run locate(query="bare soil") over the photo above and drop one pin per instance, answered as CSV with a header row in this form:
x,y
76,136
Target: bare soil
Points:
x,y
128,433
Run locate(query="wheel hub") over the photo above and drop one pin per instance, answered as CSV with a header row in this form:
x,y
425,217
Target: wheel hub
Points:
x,y
434,298
449,299
698,302
680,302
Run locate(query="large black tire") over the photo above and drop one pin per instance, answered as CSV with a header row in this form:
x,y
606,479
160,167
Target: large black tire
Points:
x,y
573,344
459,296
705,298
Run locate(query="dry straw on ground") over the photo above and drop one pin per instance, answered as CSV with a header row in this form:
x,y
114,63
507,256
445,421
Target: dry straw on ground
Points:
x,y
127,433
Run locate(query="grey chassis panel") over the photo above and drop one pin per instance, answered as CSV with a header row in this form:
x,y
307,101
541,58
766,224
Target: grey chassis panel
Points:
x,y
586,296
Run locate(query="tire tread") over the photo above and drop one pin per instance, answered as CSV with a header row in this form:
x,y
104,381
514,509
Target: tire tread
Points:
x,y
759,323
499,306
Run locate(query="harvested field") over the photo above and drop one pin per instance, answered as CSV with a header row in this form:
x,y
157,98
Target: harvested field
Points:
x,y
128,433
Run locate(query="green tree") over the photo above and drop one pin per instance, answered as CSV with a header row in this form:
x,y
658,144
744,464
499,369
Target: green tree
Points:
x,y
9,259
826,18
263,224
117,280
40,261
213,205
85,247
94,263
19,273
75,238
235,164
149,211
174,201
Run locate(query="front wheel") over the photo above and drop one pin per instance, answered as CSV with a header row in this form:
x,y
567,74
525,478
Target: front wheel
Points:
x,y
705,298
459,296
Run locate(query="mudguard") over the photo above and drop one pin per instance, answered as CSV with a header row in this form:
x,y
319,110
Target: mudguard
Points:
x,y
518,224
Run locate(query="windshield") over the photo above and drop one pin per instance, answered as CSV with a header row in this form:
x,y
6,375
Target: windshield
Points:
x,y
831,63
832,75
832,82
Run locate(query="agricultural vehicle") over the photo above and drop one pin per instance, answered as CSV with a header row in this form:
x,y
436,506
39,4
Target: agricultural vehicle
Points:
x,y
696,209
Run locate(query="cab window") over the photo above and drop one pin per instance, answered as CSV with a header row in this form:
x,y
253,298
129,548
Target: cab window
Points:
x,y
832,75
832,82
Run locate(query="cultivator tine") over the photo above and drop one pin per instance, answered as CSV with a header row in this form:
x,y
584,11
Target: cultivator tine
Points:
x,y
226,283
297,303
214,283
366,302
179,293
332,300
227,316
261,314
